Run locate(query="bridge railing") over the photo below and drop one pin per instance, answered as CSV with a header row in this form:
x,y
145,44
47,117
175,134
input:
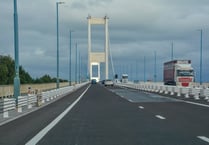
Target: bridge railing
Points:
x,y
195,92
7,105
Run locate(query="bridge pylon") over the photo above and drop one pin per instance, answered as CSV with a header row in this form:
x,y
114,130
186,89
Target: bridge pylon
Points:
x,y
98,57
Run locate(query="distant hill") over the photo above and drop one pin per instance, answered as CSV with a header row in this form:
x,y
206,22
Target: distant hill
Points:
x,y
7,73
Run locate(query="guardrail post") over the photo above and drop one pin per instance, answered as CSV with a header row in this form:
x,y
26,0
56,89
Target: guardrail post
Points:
x,y
206,93
22,101
171,90
178,91
28,102
6,105
185,91
165,89
157,88
196,93
161,89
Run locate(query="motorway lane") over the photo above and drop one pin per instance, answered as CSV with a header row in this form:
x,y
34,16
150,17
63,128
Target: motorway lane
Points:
x,y
19,131
104,118
182,117
100,118
138,96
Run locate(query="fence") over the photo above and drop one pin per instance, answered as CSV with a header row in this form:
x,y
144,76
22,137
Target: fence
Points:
x,y
9,104
6,91
195,91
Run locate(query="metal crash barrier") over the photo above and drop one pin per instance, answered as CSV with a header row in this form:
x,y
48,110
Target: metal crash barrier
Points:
x,y
37,99
195,92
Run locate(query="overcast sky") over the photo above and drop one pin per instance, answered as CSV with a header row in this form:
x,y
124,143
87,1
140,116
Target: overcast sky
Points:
x,y
137,29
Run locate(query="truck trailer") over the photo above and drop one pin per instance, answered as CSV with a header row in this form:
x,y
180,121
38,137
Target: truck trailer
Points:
x,y
178,72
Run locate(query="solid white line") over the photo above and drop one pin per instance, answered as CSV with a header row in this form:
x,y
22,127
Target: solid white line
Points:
x,y
44,131
203,138
160,117
189,102
130,100
141,107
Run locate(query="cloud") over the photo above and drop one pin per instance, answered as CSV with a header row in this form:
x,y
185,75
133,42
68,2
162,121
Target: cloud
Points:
x,y
137,28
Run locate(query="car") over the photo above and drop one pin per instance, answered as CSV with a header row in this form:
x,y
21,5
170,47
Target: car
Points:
x,y
103,82
93,81
108,83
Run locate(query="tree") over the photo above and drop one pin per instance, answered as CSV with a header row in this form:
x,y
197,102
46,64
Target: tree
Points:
x,y
7,73
6,70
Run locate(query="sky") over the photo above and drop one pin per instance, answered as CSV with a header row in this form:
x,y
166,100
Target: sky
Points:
x,y
137,29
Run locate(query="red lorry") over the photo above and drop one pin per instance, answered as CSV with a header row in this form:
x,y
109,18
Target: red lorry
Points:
x,y
178,72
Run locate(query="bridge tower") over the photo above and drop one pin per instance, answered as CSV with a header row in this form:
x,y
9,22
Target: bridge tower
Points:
x,y
95,58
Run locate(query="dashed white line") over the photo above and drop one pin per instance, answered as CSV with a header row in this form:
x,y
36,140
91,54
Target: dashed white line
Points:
x,y
141,107
44,131
130,100
160,117
203,138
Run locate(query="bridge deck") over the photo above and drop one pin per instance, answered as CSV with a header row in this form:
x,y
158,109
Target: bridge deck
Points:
x,y
102,117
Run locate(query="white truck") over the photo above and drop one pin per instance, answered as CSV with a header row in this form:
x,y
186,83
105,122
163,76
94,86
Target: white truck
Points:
x,y
124,78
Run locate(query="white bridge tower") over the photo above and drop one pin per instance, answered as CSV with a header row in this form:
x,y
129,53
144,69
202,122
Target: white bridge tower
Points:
x,y
95,58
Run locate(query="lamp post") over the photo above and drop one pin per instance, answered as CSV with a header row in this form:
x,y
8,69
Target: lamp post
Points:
x,y
76,62
155,67
200,56
57,10
171,50
79,67
16,49
144,69
70,62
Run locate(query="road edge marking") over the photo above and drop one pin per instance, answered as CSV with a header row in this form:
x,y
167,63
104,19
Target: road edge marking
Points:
x,y
203,138
198,104
130,100
45,130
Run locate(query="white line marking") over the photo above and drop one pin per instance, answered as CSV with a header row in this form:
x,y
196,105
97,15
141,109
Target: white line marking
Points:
x,y
189,102
141,107
160,117
203,138
44,131
130,100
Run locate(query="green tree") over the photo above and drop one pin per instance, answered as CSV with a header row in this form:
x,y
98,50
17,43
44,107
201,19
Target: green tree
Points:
x,y
6,70
7,73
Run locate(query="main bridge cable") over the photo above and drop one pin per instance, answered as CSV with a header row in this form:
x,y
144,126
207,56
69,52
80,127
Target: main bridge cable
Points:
x,y
112,65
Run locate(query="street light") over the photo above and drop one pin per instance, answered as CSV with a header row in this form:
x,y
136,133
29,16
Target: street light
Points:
x,y
16,48
79,67
155,67
200,56
76,62
144,69
70,79
57,9
171,50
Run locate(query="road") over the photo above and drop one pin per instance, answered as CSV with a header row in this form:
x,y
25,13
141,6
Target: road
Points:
x,y
111,116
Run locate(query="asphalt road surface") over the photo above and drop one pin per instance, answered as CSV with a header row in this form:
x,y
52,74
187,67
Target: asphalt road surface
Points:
x,y
111,116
